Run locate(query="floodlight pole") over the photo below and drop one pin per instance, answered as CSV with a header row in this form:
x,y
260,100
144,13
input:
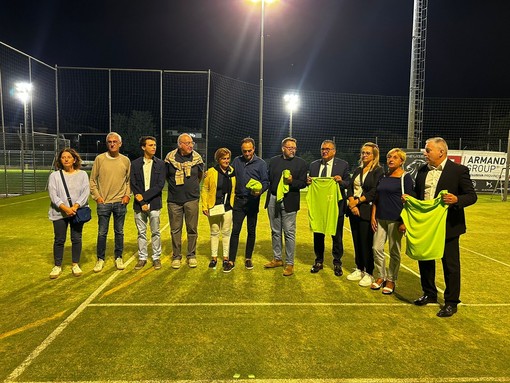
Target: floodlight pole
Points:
x,y
291,103
507,170
261,86
290,124
25,125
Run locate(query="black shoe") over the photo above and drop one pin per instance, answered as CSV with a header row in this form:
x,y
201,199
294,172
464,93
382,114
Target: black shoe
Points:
x,y
228,267
140,264
447,311
338,270
425,299
156,264
225,262
213,263
317,266
248,264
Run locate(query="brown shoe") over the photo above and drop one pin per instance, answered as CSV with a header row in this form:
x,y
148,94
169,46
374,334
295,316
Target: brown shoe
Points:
x,y
288,271
274,263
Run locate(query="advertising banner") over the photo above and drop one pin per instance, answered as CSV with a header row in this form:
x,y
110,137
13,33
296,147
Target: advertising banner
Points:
x,y
487,169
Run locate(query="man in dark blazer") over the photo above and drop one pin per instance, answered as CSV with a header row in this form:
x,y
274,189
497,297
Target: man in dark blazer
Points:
x,y
443,174
329,166
282,202
148,174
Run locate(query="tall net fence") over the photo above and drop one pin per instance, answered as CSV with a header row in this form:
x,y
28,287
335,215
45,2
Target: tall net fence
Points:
x,y
77,107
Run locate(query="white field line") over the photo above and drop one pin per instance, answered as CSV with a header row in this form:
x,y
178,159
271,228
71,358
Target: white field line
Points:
x,y
37,351
25,201
277,304
50,338
485,256
242,379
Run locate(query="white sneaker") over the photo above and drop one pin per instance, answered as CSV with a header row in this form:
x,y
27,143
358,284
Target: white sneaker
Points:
x,y
119,263
176,263
99,265
356,275
76,270
366,280
192,262
55,272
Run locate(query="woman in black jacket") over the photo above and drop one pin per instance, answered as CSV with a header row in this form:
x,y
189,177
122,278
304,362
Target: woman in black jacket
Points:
x,y
360,194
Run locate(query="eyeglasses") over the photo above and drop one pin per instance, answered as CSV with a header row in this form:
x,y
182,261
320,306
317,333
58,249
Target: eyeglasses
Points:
x,y
327,150
366,153
188,143
291,148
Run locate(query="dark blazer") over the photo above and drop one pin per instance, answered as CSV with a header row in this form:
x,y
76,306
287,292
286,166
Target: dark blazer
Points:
x,y
454,178
340,168
152,195
369,187
298,168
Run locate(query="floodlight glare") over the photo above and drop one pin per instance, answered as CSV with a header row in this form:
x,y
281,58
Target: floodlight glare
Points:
x,y
23,91
291,102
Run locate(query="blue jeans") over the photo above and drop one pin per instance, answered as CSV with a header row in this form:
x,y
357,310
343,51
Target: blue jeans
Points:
x,y
141,218
104,211
281,221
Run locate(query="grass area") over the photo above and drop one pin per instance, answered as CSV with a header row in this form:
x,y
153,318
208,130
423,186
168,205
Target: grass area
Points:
x,y
201,324
14,181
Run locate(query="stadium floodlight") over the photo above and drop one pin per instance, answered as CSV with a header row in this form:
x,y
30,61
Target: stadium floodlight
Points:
x,y
291,104
23,92
261,87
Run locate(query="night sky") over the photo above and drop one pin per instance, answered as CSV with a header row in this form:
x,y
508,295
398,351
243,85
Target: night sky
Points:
x,y
352,46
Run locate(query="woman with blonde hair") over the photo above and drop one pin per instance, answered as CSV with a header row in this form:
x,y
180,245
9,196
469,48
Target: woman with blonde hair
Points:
x,y
360,195
217,200
386,222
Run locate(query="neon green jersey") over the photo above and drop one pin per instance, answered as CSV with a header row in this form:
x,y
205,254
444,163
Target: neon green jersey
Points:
x,y
425,227
322,198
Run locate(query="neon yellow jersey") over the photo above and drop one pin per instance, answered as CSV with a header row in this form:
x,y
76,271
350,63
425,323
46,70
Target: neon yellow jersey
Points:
x,y
283,188
254,185
322,198
425,227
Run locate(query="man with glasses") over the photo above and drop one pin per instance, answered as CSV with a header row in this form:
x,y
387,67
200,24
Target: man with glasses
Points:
x,y
287,176
249,170
185,169
109,187
329,166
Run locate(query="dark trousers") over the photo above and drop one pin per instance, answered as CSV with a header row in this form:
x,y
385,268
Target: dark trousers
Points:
x,y
249,208
363,238
60,231
337,240
451,271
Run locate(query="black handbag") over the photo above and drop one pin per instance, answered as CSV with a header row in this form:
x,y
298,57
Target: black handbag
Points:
x,y
83,214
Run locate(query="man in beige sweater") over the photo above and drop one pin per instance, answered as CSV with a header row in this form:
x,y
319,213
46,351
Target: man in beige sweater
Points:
x,y
109,187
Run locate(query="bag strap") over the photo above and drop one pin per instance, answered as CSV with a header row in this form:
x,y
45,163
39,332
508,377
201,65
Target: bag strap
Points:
x,y
402,182
65,187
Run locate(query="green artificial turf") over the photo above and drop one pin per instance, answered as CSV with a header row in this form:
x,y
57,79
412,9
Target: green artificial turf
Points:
x,y
203,324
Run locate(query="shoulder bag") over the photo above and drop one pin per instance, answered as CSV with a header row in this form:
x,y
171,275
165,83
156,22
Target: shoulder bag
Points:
x,y
83,214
